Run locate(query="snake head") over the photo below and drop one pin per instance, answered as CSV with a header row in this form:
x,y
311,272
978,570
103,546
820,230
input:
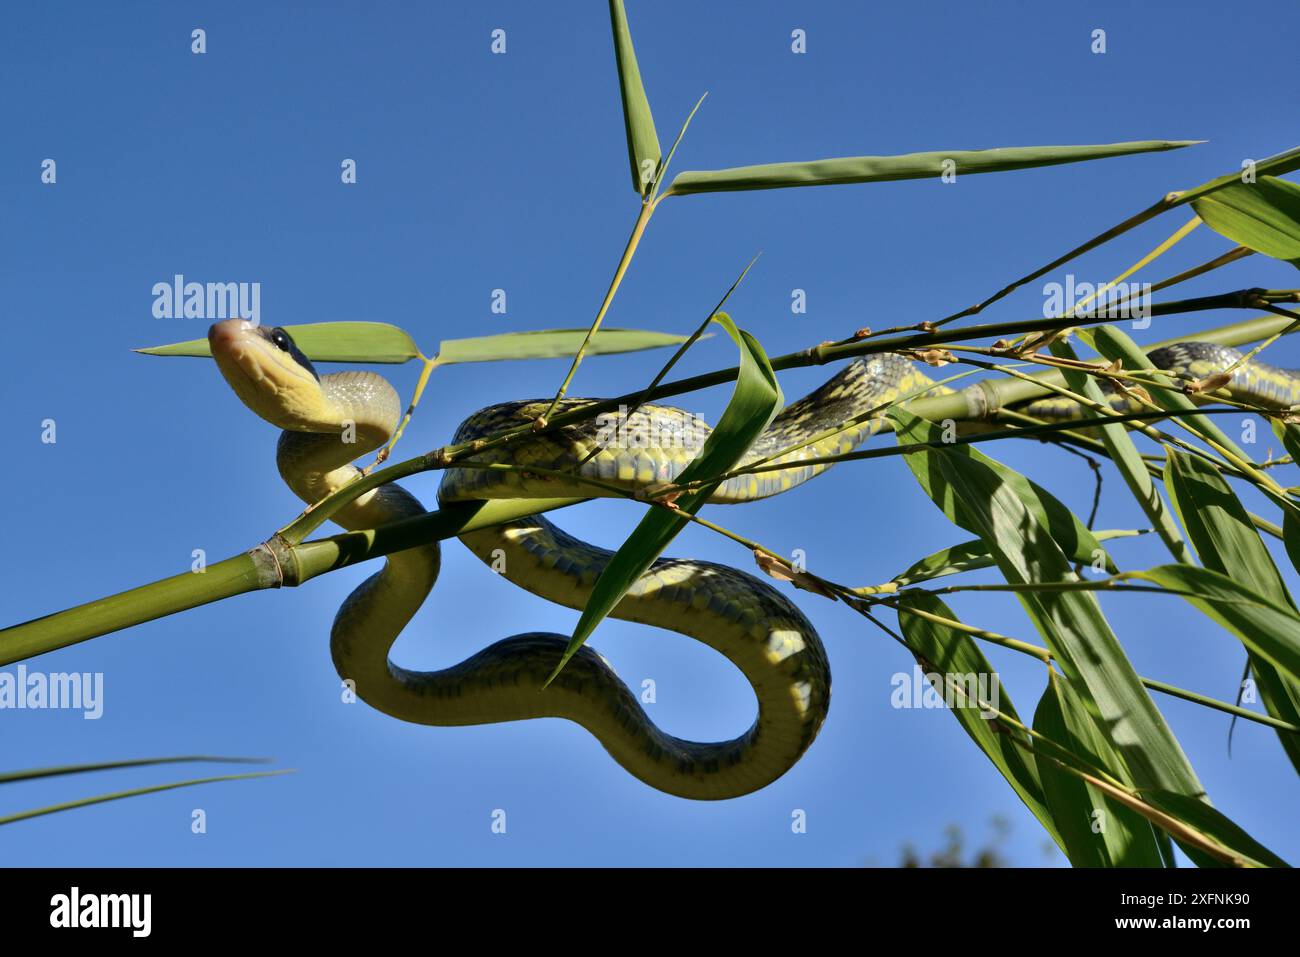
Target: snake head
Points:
x,y
270,374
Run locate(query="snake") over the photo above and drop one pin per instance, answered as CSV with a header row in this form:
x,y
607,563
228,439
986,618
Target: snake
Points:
x,y
329,421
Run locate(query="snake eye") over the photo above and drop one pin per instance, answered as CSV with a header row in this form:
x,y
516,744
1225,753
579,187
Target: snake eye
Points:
x,y
284,342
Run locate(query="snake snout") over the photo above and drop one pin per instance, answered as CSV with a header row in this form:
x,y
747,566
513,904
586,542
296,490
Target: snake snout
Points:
x,y
226,335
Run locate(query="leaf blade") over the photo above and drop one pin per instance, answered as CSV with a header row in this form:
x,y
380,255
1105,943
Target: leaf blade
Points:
x,y
1227,542
385,344
29,774
1128,461
1097,831
551,344
1263,216
967,486
643,148
948,651
378,342
974,554
1266,629
135,792
754,401
877,169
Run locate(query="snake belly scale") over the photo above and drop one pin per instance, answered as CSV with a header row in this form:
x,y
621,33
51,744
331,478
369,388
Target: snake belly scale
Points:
x,y
743,618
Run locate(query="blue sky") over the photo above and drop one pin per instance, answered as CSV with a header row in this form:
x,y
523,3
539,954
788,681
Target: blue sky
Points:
x,y
480,171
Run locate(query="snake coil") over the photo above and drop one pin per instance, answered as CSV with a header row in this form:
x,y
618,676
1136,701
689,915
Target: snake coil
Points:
x,y
754,626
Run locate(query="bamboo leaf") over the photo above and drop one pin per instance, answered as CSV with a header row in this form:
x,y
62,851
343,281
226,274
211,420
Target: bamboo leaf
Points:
x,y
1115,344
550,344
1289,435
378,342
1291,538
135,792
974,492
1200,847
1070,534
1272,631
1220,527
29,774
1279,164
753,403
879,169
1128,460
642,141
1096,831
1212,824
1227,542
972,555
1263,216
945,651
964,556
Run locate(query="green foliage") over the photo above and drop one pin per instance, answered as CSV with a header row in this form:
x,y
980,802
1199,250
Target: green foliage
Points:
x,y
755,400
34,774
1263,216
383,343
1099,768
884,169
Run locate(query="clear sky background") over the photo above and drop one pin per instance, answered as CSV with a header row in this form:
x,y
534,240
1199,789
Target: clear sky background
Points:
x,y
480,171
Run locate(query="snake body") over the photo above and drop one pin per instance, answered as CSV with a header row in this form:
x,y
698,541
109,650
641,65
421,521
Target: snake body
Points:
x,y
331,420
1252,380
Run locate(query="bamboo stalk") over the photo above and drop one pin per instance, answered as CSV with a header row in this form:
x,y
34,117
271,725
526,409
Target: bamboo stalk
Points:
x,y
258,568
270,565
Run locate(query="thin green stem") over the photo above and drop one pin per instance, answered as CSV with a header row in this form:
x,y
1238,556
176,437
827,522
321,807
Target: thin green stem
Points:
x,y
667,161
693,338
638,230
136,792
1166,203
1043,654
1034,431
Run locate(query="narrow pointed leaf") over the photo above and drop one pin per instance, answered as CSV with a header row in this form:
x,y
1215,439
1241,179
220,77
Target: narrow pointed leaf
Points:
x,y
1199,846
1112,343
1289,434
378,342
968,556
1128,460
1279,164
1214,825
1227,542
1272,631
1096,830
973,491
642,141
134,792
945,651
755,400
962,557
550,344
1065,529
880,169
1291,538
29,774
1263,216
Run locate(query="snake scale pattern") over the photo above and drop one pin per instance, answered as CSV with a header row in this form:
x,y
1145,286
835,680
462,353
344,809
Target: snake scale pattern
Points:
x,y
743,618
